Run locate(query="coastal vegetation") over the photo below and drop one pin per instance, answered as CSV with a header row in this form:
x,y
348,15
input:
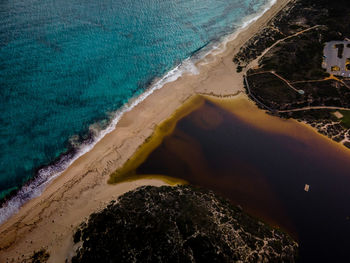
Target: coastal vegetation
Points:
x,y
178,224
40,256
283,66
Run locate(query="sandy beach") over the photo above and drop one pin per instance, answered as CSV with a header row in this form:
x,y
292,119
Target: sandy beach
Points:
x,y
48,221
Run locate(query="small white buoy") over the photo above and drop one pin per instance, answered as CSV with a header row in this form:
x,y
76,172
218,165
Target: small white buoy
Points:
x,y
306,188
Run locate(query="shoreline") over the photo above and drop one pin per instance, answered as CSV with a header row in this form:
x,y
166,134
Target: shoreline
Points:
x,y
67,199
47,173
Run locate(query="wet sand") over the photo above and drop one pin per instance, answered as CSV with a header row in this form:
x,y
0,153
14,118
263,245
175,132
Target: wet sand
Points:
x,y
48,221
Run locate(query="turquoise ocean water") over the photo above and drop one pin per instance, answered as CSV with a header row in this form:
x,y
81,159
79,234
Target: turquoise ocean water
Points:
x,y
66,67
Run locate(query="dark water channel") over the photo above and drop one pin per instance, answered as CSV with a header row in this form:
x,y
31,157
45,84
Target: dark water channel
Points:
x,y
265,173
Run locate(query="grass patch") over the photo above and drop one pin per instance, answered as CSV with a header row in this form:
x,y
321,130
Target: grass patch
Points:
x,y
271,90
345,121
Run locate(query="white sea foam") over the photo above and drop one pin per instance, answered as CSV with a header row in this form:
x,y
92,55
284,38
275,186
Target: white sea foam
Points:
x,y
252,18
35,187
221,46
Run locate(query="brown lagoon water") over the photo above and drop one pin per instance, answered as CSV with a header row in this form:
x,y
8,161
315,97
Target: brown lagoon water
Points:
x,y
263,163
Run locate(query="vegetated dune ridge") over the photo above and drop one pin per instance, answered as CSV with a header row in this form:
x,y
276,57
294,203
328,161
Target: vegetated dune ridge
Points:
x,y
179,224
